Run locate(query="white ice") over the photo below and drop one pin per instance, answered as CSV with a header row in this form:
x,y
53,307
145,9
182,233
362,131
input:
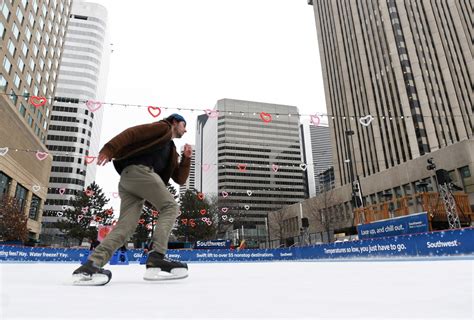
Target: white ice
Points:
x,y
266,290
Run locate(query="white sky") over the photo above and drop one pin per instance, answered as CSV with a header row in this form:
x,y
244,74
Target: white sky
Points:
x,y
190,53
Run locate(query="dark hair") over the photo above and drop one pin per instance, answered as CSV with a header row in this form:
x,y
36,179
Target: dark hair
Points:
x,y
176,117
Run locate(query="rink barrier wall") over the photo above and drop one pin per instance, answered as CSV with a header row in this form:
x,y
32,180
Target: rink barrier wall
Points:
x,y
458,242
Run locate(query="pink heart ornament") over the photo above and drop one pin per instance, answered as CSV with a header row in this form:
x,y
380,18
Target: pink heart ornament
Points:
x,y
224,209
212,113
62,190
314,119
224,194
274,167
206,167
3,151
93,105
41,155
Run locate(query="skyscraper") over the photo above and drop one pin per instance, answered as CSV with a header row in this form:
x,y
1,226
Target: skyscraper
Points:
x,y
317,150
32,37
398,84
190,182
249,154
74,131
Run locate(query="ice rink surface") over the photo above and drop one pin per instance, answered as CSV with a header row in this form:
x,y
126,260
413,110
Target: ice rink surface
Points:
x,y
266,290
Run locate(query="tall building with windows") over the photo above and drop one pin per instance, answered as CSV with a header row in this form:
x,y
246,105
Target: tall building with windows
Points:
x,y
74,131
190,182
317,152
398,79
32,37
248,153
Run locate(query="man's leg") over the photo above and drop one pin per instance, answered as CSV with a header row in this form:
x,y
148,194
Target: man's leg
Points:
x,y
130,210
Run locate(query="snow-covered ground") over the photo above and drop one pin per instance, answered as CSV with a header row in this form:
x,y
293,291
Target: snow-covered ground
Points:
x,y
266,290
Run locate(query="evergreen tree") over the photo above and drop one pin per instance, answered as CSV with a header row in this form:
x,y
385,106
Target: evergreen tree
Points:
x,y
13,223
197,219
85,213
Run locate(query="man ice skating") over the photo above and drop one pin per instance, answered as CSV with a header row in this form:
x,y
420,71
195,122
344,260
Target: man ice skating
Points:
x,y
146,158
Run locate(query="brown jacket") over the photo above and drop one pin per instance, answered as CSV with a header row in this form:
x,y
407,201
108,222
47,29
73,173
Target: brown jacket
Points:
x,y
140,139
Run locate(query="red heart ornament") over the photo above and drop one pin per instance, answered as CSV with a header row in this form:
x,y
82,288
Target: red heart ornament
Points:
x,y
242,167
141,221
109,211
37,101
203,211
89,159
192,223
184,221
89,193
266,117
154,111
154,213
200,196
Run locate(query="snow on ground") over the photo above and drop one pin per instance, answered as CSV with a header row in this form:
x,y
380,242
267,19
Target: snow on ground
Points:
x,y
440,289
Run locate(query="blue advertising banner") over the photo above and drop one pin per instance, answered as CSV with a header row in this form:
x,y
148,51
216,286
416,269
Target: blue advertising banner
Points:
x,y
212,244
430,244
414,223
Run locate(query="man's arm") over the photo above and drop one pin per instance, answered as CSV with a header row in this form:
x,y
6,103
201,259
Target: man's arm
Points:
x,y
181,173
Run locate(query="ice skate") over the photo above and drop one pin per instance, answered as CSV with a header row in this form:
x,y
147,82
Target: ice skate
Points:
x,y
90,275
160,268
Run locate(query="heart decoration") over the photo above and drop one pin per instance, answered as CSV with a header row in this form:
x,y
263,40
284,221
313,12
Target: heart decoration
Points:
x,y
64,207
84,209
192,223
154,111
89,192
314,119
41,155
224,194
303,166
93,105
115,195
109,212
224,217
209,222
184,221
154,213
36,188
206,167
149,226
98,219
141,221
203,219
79,218
247,207
3,151
365,121
203,211
37,101
266,117
231,220
242,167
62,190
89,159
200,196
224,209
249,192
274,167
212,113
59,214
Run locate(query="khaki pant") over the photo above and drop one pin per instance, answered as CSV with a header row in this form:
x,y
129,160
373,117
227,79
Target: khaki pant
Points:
x,y
137,183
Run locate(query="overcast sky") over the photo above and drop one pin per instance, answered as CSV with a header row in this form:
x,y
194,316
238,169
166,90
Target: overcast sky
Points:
x,y
190,53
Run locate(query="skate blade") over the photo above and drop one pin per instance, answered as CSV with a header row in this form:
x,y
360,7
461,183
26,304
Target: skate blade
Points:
x,y
155,274
86,280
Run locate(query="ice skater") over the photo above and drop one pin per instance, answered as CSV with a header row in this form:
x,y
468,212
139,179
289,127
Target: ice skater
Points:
x,y
145,157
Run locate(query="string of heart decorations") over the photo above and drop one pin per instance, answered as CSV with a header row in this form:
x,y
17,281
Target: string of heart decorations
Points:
x,y
315,119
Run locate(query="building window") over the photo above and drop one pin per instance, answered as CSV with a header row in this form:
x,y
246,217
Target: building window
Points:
x,y
13,96
3,84
17,81
24,49
7,65
28,79
22,109
16,31
31,18
28,34
2,29
21,65
30,120
6,12
465,174
20,196
34,207
4,184
11,47
19,15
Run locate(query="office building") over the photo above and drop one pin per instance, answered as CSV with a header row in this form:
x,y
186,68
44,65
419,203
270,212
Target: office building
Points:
x,y
32,38
74,131
317,151
190,182
249,154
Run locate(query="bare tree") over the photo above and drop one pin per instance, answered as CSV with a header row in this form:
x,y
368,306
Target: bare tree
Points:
x,y
13,223
276,225
323,210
